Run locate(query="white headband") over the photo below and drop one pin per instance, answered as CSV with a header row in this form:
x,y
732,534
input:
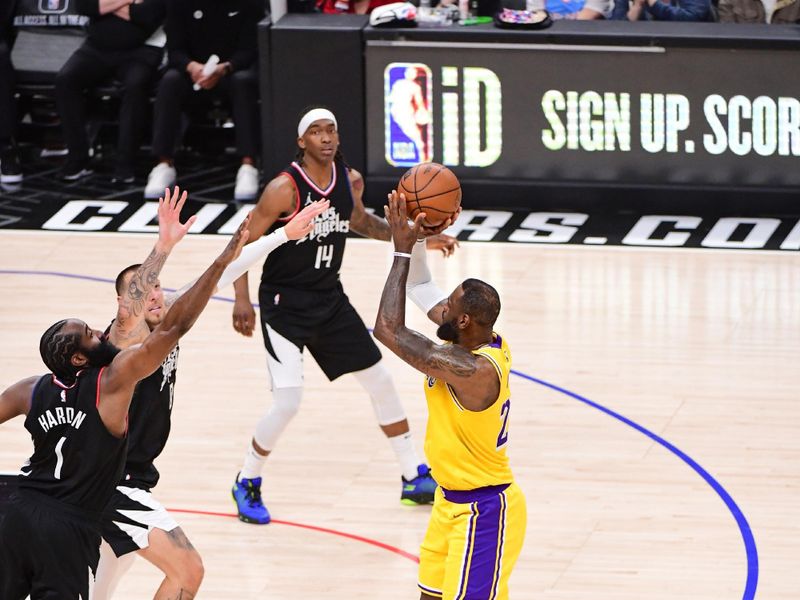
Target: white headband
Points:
x,y
315,114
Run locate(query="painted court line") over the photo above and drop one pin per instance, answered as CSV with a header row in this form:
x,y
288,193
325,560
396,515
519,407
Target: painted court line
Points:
x,y
748,539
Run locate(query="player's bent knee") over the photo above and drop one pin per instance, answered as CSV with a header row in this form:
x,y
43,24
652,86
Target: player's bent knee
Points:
x,y
189,570
195,571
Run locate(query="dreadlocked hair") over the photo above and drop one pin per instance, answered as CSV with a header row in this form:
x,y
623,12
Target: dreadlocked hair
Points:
x,y
481,301
57,349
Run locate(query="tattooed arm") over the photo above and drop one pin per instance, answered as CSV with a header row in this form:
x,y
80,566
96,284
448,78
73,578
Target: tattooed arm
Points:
x,y
361,221
473,378
371,226
129,326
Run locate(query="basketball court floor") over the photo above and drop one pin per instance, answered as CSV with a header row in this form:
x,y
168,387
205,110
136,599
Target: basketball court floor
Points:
x,y
654,422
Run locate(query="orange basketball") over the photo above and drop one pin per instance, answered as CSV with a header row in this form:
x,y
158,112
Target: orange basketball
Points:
x,y
433,189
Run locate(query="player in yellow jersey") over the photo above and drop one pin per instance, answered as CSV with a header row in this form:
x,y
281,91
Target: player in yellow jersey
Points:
x,y
477,526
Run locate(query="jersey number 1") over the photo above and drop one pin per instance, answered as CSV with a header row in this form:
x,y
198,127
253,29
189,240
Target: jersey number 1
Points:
x,y
59,457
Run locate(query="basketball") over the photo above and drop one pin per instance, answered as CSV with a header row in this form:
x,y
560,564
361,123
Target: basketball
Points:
x,y
433,189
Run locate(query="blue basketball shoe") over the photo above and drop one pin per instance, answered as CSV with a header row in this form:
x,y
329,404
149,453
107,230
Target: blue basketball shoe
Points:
x,y
247,495
420,489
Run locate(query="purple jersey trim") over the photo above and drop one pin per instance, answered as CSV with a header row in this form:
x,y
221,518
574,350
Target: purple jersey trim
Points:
x,y
476,495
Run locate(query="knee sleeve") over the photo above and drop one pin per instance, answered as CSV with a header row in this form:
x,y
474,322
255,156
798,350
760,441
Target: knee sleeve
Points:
x,y
380,387
285,403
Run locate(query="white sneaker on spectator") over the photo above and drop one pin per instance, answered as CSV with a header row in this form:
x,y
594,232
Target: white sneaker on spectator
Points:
x,y
246,183
161,177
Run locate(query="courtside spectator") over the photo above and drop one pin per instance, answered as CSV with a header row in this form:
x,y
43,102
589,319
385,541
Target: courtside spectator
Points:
x,y
776,12
662,10
582,10
125,41
10,170
196,31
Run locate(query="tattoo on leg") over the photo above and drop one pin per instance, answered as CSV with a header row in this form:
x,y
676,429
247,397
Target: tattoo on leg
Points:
x,y
179,539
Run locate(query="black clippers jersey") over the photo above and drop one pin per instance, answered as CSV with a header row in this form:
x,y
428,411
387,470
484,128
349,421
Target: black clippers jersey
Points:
x,y
149,422
76,459
313,262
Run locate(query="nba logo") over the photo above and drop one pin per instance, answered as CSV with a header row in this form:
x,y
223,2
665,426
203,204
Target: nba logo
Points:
x,y
53,6
408,114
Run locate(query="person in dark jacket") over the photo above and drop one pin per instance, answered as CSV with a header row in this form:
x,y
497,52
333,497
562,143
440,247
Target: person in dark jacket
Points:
x,y
662,10
10,170
197,32
125,40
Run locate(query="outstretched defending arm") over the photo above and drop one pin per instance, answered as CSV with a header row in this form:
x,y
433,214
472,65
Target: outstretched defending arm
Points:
x,y
129,323
131,365
300,226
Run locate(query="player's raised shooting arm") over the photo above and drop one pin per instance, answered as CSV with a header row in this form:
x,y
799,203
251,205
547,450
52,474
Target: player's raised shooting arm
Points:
x,y
473,378
16,400
129,322
137,362
361,221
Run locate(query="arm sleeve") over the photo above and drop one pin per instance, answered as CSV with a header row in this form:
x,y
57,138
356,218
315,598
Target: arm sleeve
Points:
x,y
420,288
689,10
251,254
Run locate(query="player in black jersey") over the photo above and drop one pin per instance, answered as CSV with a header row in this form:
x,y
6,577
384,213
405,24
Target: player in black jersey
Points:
x,y
135,522
303,305
77,416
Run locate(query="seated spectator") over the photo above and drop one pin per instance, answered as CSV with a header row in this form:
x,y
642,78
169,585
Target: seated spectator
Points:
x,y
780,12
125,41
10,170
662,10
581,10
359,7
197,30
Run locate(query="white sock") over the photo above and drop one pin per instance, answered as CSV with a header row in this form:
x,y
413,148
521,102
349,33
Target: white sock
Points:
x,y
253,464
403,446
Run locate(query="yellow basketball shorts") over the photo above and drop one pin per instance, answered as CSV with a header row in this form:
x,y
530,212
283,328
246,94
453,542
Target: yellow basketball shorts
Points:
x,y
473,540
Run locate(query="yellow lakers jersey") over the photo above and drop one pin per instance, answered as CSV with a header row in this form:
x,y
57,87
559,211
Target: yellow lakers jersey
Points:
x,y
467,449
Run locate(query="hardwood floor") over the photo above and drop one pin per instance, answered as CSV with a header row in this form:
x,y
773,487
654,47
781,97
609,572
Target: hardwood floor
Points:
x,y
655,429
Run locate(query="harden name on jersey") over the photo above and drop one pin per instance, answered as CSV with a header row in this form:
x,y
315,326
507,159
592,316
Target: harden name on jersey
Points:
x,y
61,415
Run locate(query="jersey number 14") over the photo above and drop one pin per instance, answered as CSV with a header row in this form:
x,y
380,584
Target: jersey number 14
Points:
x,y
324,255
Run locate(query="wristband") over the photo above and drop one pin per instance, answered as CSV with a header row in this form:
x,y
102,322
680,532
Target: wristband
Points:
x,y
401,254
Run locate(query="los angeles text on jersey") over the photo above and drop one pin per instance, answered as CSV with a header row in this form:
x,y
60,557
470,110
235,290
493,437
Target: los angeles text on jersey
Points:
x,y
595,121
476,225
61,415
328,222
